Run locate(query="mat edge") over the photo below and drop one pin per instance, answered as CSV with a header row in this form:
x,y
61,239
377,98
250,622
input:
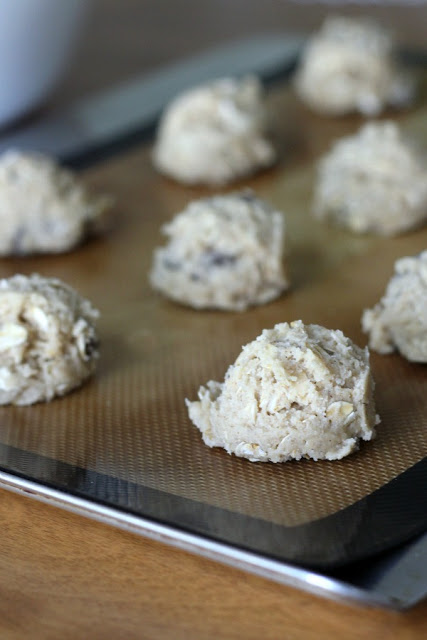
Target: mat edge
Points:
x,y
270,569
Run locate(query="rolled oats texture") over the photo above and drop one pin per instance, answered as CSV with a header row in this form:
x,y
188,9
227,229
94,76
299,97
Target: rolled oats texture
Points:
x,y
297,391
374,181
399,320
224,252
48,339
215,133
349,65
43,207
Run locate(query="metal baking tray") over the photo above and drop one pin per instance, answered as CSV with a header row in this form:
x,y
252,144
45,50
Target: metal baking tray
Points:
x,y
122,449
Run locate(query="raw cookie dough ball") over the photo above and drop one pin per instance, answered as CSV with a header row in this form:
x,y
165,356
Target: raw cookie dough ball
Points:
x,y
43,208
349,66
224,252
215,133
48,341
399,320
297,391
373,181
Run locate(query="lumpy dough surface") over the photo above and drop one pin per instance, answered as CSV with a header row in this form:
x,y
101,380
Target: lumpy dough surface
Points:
x,y
349,66
373,182
297,391
224,252
215,133
399,320
43,207
48,339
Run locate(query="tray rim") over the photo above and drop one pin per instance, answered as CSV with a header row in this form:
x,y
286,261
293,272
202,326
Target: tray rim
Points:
x,y
271,569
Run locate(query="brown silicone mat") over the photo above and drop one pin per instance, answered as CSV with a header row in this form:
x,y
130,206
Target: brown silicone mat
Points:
x,y
130,421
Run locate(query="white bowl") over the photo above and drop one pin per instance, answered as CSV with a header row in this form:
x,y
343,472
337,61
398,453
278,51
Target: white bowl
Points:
x,y
37,38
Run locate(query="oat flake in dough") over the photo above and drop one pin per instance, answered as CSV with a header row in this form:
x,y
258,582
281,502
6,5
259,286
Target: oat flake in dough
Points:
x,y
297,391
373,182
215,133
349,66
48,339
224,252
43,208
399,320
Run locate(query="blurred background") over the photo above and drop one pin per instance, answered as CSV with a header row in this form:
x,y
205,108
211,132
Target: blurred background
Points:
x,y
53,52
124,38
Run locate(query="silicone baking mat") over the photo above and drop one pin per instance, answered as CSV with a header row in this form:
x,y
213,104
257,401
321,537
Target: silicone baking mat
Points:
x,y
125,440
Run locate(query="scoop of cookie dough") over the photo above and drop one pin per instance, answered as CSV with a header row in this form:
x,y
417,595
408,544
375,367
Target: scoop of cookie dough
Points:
x,y
224,252
349,66
43,208
399,320
297,391
374,181
48,340
215,133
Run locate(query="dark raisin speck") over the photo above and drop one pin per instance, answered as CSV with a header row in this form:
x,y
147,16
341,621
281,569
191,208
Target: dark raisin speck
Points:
x,y
248,196
214,258
91,345
172,265
328,351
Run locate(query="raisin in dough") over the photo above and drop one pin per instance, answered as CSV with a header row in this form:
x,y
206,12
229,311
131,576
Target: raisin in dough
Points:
x,y
297,391
48,340
215,133
374,181
224,252
43,208
399,320
349,66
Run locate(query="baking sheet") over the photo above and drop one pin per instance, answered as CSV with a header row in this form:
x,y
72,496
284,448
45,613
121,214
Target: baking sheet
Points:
x,y
125,440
